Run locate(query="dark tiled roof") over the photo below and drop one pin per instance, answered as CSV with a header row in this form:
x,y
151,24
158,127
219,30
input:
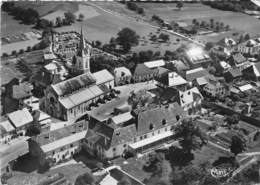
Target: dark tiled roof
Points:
x,y
169,94
197,74
119,175
123,135
142,69
156,116
42,77
234,72
74,84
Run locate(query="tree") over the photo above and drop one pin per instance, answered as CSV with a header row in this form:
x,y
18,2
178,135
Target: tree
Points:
x,y
179,5
33,130
140,98
238,145
124,181
247,37
233,119
58,21
140,10
164,37
14,52
127,38
98,43
209,45
4,55
85,179
241,38
69,17
190,135
81,17
153,38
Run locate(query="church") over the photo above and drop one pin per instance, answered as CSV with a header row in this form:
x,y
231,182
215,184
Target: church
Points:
x,y
71,98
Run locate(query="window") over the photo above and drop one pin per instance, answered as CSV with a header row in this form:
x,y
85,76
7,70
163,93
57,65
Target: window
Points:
x,y
114,149
163,122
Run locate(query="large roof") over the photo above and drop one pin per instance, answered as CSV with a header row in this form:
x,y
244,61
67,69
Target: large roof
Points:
x,y
81,96
196,73
150,120
22,90
20,117
74,84
103,76
64,141
171,79
235,72
142,69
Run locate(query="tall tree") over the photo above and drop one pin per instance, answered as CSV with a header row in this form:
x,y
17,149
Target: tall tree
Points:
x,y
191,137
69,17
85,179
127,38
238,145
179,5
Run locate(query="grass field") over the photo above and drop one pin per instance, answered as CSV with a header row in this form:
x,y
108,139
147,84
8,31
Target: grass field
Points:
x,y
106,25
10,26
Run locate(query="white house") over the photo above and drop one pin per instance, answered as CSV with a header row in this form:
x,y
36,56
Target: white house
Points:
x,y
122,76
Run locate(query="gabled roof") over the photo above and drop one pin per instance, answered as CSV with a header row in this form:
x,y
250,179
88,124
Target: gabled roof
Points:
x,y
121,118
20,117
7,75
205,79
180,65
196,73
102,76
22,90
238,58
227,42
162,70
154,64
6,126
154,119
123,135
256,67
235,72
171,79
74,84
63,141
142,69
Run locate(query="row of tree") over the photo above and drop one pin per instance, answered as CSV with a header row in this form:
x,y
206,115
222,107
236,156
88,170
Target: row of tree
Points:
x,y
133,6
27,16
212,24
237,6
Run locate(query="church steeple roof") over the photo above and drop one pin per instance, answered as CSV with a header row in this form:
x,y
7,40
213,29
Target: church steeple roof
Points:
x,y
82,44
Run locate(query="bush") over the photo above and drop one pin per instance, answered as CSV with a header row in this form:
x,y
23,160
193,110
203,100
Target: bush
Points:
x,y
14,52
28,49
21,51
4,55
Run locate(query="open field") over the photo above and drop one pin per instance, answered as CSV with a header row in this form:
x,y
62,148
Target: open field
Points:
x,y
10,26
168,12
106,25
46,7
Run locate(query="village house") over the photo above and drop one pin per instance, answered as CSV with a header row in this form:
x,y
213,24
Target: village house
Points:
x,y
195,73
227,45
20,119
232,74
73,97
178,65
171,79
224,66
141,130
143,73
21,92
250,47
104,77
11,151
65,147
6,130
122,76
237,60
252,72
190,100
196,58
215,88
